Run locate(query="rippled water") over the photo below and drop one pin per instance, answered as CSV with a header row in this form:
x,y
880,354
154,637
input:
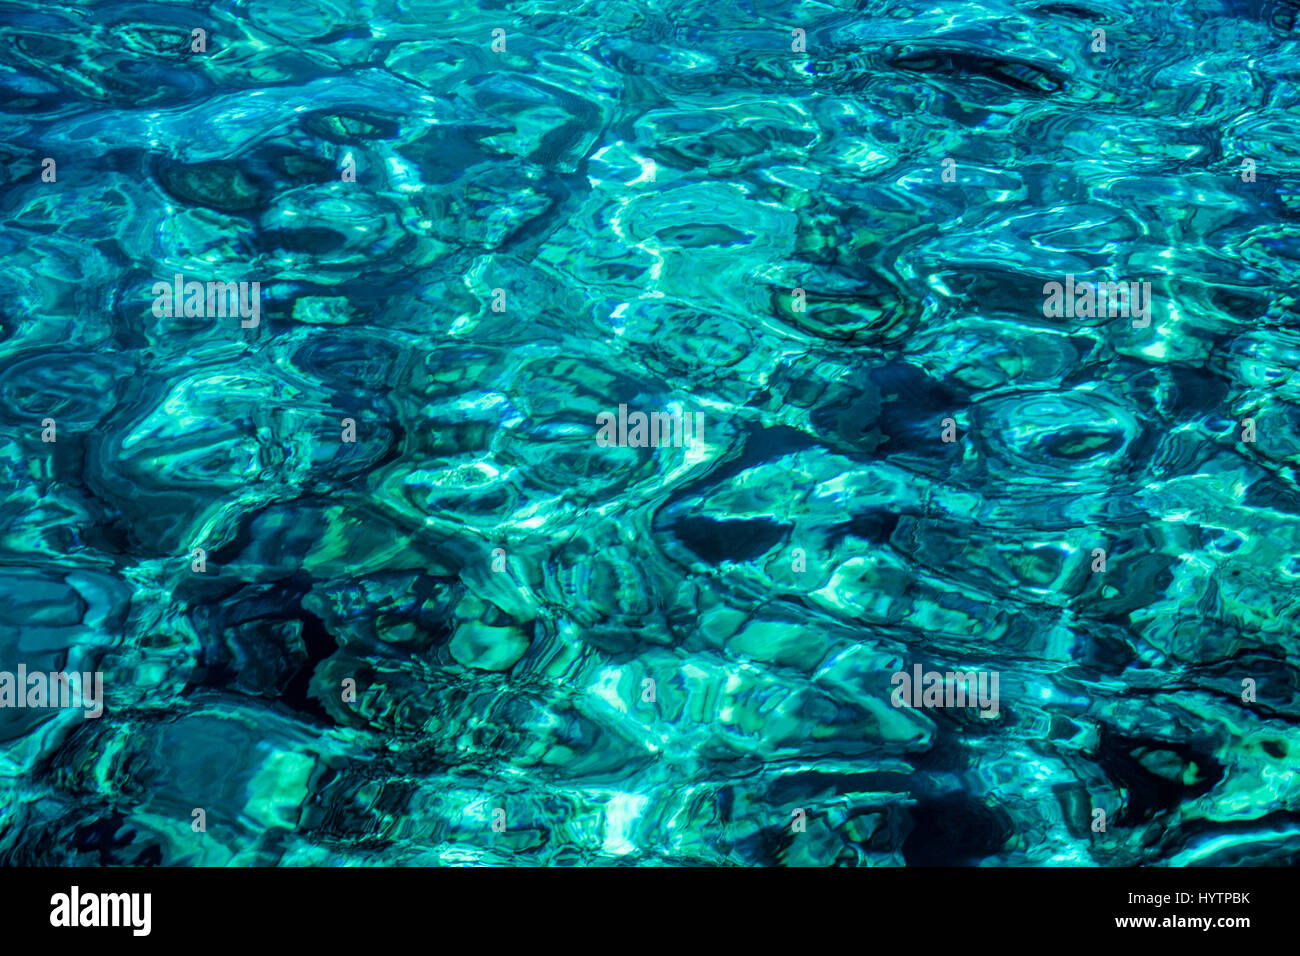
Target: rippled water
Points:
x,y
478,634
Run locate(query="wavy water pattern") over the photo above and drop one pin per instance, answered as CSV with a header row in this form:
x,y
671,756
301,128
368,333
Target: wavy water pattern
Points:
x,y
477,634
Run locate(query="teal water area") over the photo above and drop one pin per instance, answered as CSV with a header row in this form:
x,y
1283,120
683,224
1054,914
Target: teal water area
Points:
x,y
366,586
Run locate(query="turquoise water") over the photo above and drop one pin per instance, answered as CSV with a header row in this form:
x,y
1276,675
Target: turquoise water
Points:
x,y
377,570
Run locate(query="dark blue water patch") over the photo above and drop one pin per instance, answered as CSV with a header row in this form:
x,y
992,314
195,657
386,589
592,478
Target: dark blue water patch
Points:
x,y
955,830
733,540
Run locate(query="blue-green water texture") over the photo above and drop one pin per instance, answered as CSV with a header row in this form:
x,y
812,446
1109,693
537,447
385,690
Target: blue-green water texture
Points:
x,y
380,565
